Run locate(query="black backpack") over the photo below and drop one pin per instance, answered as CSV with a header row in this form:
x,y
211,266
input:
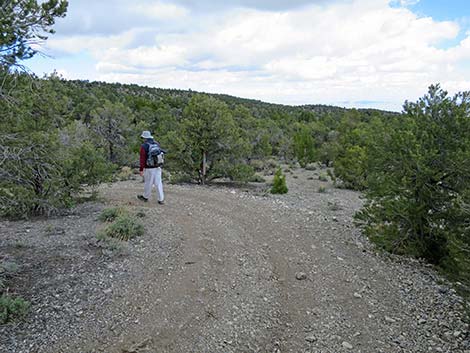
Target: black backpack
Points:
x,y
155,155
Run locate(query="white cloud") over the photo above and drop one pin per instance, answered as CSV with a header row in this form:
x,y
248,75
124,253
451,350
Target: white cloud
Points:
x,y
404,3
161,10
314,68
146,57
94,44
332,52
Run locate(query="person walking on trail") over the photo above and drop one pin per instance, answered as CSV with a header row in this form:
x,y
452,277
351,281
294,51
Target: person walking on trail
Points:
x,y
151,161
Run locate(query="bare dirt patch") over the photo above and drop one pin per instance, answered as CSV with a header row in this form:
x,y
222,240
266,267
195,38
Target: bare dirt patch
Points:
x,y
222,269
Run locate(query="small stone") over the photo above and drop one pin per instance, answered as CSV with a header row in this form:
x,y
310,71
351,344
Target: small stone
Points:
x,y
390,320
421,321
457,333
347,345
311,338
357,295
443,290
301,276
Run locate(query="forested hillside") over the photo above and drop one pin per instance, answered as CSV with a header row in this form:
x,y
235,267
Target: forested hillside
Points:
x,y
67,121
59,136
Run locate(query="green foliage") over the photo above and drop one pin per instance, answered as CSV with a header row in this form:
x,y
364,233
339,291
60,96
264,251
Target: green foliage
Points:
x,y
310,166
124,227
85,164
323,177
124,174
211,139
321,189
241,173
262,147
418,186
111,124
351,167
31,180
357,137
24,24
12,308
304,146
115,246
7,269
257,179
279,183
75,134
110,214
272,164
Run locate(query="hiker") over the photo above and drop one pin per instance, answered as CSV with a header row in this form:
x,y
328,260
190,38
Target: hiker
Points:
x,y
151,167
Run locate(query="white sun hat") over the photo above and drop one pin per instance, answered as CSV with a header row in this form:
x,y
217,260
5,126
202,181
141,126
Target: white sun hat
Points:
x,y
146,135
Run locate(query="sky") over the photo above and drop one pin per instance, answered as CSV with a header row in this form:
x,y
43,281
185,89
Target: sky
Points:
x,y
350,53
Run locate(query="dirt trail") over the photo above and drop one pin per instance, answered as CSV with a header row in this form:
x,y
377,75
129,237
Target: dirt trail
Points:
x,y
223,270
231,284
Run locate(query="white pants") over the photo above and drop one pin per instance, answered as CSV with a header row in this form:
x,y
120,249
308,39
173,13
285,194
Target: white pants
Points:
x,y
153,176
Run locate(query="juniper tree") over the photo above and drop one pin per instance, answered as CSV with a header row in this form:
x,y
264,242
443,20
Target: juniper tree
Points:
x,y
214,146
419,190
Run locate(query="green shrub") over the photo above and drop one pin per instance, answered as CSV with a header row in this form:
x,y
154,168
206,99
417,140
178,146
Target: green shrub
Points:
x,y
257,179
109,244
271,164
110,214
322,177
257,164
332,176
304,145
351,168
322,189
125,174
179,178
124,228
241,173
9,268
49,229
279,183
310,166
418,192
12,308
85,164
33,184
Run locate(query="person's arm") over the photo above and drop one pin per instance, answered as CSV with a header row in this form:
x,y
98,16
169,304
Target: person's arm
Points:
x,y
143,157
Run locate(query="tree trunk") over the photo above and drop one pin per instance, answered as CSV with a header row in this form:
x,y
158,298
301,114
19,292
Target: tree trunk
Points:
x,y
204,167
111,152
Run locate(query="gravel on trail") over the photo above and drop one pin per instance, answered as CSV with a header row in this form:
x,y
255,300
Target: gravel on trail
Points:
x,y
223,269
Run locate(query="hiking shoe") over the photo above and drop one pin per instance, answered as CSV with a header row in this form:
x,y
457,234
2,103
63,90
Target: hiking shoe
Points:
x,y
161,202
142,198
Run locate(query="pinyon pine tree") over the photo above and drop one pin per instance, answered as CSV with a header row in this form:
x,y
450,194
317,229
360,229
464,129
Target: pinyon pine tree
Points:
x,y
419,186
